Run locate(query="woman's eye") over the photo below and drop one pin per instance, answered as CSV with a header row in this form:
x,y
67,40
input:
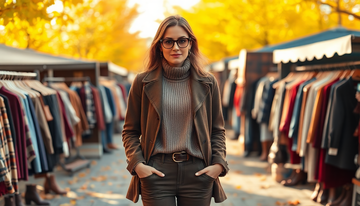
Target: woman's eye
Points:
x,y
182,40
168,42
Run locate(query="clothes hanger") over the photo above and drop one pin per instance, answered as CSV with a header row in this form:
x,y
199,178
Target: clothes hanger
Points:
x,y
355,74
290,76
20,82
9,84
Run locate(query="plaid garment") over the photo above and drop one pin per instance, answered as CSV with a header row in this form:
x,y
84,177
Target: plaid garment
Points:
x,y
11,161
6,154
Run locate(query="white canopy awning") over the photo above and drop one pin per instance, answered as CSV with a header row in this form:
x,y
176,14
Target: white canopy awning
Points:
x,y
233,64
341,46
117,69
15,56
217,66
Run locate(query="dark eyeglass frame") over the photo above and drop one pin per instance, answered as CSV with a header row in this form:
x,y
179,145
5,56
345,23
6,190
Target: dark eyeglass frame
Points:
x,y
162,40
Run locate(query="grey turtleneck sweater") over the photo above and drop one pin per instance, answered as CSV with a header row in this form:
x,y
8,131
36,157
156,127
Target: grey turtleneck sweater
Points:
x,y
176,133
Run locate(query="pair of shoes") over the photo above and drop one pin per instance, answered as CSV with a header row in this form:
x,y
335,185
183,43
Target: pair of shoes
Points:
x,y
323,196
297,178
51,185
315,194
13,200
345,198
31,195
112,146
10,201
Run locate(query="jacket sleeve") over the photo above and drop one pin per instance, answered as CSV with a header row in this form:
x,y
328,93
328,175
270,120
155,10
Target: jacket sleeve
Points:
x,y
336,124
132,127
218,145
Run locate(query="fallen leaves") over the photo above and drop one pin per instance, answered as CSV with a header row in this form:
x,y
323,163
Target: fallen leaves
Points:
x,y
295,202
73,202
238,187
71,194
263,178
264,186
93,163
73,181
104,169
258,174
238,172
280,203
82,174
100,178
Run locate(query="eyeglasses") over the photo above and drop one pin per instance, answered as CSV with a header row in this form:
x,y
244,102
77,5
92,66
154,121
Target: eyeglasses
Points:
x,y
169,43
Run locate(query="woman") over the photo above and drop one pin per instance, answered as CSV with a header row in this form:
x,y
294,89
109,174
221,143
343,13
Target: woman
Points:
x,y
174,134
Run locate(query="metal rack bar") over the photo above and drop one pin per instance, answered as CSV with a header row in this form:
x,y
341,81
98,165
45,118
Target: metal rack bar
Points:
x,y
19,74
65,79
327,66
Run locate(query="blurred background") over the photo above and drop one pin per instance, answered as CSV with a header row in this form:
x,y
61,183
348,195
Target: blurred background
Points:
x,y
266,56
120,31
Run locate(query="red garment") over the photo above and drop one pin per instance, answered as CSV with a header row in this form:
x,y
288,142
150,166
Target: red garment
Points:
x,y
333,176
123,90
320,128
285,125
98,109
68,129
237,98
3,190
294,157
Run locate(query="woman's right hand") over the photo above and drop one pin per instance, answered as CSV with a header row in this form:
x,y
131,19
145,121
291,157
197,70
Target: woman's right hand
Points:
x,y
143,171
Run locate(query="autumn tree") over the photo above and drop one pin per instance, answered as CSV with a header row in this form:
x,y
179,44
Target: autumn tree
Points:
x,y
100,31
344,11
92,30
226,27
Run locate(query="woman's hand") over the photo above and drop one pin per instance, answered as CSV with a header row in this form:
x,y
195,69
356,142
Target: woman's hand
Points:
x,y
213,171
145,170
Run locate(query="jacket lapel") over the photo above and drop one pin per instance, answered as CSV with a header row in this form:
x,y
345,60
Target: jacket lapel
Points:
x,y
199,90
153,89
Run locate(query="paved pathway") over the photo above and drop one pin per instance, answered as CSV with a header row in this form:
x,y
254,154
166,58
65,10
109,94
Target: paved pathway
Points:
x,y
248,183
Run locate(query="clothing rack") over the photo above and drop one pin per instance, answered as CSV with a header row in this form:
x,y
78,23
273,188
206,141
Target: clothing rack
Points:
x,y
66,79
77,162
18,74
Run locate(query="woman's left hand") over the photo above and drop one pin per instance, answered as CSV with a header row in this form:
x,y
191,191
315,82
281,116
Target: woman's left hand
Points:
x,y
213,171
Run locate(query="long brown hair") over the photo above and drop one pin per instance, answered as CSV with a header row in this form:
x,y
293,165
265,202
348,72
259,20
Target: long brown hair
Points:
x,y
196,58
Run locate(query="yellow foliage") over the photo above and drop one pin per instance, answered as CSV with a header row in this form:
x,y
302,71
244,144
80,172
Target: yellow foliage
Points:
x,y
224,28
91,30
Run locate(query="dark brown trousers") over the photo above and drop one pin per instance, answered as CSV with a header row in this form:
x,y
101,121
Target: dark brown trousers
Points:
x,y
180,186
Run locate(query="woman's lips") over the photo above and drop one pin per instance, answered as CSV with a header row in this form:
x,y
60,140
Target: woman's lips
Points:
x,y
176,55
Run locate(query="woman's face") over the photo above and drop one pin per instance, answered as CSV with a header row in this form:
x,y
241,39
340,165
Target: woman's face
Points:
x,y
175,55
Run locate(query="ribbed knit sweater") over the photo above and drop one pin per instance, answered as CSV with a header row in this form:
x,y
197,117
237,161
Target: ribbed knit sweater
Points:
x,y
176,133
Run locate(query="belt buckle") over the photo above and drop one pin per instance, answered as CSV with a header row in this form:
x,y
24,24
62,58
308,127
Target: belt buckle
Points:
x,y
173,156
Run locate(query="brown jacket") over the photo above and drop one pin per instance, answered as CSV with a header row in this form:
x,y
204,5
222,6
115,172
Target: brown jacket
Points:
x,y
143,120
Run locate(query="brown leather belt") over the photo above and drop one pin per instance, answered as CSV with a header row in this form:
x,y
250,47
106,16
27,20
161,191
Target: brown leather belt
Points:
x,y
180,156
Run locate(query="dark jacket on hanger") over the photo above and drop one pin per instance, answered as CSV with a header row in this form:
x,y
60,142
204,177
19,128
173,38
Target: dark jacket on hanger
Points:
x,y
343,122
